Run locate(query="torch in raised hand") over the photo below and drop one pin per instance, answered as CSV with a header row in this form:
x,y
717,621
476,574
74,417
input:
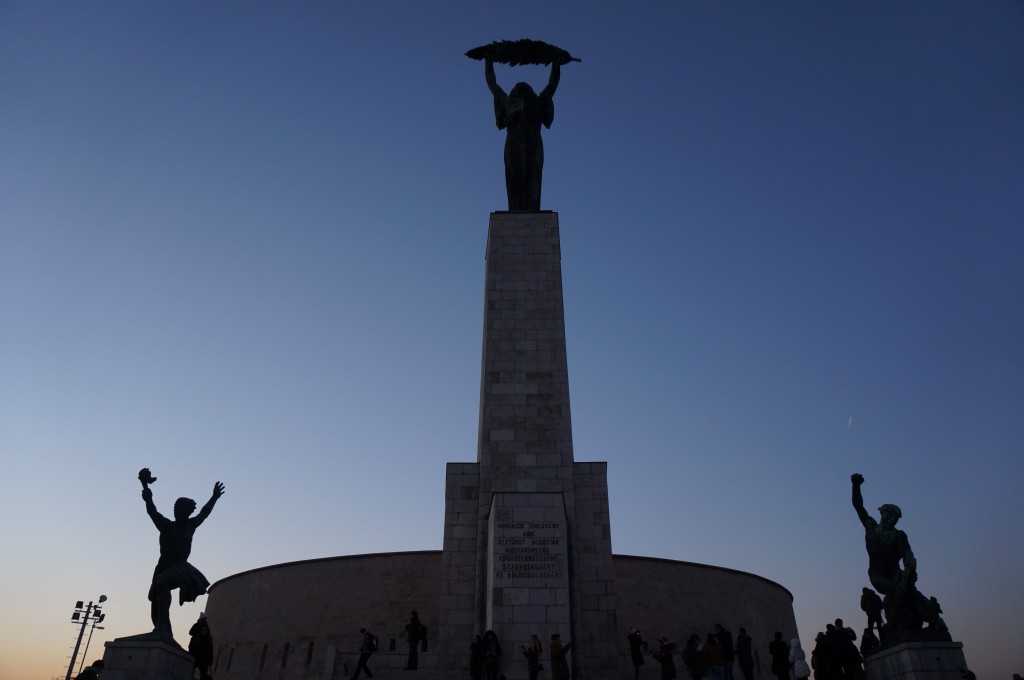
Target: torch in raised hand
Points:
x,y
146,477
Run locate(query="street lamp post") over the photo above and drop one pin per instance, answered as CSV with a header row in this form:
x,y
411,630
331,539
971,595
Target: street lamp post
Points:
x,y
81,615
95,624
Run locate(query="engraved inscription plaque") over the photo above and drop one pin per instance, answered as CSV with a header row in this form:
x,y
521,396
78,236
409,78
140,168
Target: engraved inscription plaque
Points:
x,y
528,578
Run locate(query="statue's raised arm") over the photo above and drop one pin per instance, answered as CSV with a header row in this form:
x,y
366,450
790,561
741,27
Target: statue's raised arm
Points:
x,y
858,501
492,81
556,74
204,512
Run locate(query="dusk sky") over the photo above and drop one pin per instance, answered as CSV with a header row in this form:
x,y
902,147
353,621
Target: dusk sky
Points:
x,y
243,241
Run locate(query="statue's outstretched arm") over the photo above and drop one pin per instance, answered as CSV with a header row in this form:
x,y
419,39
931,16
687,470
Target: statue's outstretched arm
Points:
x,y
158,519
218,491
492,81
858,501
556,75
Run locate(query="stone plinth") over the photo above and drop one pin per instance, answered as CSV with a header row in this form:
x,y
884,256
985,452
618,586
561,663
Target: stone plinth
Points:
x,y
146,657
916,661
527,544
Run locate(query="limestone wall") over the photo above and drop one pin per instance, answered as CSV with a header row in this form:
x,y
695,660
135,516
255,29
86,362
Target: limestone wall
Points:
x,y
316,608
675,599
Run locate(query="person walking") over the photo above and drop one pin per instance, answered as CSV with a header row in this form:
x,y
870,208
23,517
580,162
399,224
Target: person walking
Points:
x,y
367,646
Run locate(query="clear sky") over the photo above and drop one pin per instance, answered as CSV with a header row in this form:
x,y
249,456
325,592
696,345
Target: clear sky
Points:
x,y
243,241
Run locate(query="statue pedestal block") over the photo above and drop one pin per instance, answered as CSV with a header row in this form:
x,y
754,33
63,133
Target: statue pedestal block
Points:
x,y
527,537
916,661
146,657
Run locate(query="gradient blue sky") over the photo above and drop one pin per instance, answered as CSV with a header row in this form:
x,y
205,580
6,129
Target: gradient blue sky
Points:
x,y
243,241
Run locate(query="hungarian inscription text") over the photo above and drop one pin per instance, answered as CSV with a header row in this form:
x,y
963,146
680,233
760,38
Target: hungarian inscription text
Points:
x,y
529,550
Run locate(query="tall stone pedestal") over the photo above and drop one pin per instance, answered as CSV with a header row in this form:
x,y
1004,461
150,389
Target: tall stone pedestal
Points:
x,y
527,545
146,657
917,661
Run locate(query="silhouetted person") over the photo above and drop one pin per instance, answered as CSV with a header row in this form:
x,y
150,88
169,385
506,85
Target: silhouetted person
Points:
x,y
367,646
778,649
842,656
832,655
201,646
819,657
724,638
476,658
846,629
849,655
532,651
414,632
713,658
173,570
745,654
663,655
871,604
556,655
522,112
492,655
636,651
693,657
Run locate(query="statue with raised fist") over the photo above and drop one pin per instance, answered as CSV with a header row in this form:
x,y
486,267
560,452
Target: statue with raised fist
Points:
x,y
892,570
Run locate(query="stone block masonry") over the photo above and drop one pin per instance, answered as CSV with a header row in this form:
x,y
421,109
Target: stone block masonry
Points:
x,y
529,522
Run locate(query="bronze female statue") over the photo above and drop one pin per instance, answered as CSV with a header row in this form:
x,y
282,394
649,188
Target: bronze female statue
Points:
x,y
522,112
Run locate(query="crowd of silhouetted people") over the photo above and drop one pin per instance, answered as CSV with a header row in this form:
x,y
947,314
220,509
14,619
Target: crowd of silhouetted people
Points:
x,y
836,655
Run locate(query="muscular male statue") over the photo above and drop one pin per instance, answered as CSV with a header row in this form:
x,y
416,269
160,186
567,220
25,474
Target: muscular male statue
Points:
x,y
173,570
522,112
906,609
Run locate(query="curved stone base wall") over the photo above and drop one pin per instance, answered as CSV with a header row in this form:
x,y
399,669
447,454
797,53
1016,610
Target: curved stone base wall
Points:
x,y
676,599
302,619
